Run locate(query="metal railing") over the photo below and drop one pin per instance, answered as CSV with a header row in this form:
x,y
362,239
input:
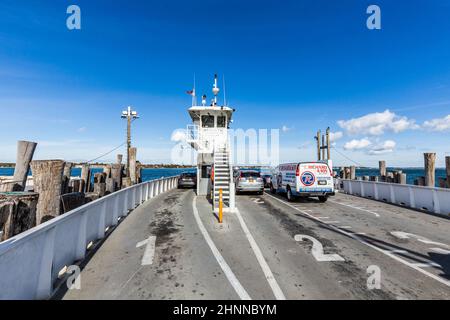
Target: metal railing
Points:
x,y
435,200
30,262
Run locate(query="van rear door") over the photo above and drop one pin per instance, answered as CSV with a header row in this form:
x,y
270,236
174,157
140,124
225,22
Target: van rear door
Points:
x,y
314,177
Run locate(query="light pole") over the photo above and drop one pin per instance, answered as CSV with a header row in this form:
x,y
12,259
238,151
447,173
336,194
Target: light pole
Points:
x,y
129,115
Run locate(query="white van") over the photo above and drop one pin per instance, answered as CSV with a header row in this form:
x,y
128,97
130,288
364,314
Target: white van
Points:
x,y
304,179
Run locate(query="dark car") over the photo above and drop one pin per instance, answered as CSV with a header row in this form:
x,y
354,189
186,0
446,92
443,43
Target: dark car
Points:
x,y
267,178
187,180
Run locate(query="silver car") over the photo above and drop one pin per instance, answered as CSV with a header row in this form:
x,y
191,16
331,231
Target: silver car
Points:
x,y
248,181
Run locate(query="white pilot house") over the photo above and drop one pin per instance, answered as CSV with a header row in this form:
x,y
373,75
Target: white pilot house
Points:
x,y
208,135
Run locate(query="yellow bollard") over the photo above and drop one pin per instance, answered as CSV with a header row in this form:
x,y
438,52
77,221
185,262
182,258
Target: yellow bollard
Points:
x,y
220,206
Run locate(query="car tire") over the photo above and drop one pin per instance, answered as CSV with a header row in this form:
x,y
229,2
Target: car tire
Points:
x,y
323,199
289,195
272,189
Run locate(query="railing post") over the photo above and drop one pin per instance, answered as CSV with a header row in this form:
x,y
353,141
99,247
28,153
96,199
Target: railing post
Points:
x,y
45,285
412,199
115,210
362,189
102,222
375,190
392,193
81,241
436,204
152,189
350,186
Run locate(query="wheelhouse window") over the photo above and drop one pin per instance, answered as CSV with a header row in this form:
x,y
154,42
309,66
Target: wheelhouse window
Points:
x,y
221,121
208,121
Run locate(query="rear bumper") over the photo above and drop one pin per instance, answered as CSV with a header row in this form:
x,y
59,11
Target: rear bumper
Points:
x,y
250,188
315,193
186,184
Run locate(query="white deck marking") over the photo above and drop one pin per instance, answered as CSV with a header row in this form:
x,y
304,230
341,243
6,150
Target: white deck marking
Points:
x,y
397,251
426,265
317,249
357,208
242,293
345,227
440,250
332,222
355,236
405,235
279,295
323,218
149,253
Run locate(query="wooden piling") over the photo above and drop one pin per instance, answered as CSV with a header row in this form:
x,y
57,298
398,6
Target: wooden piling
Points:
x,y
318,145
25,152
119,159
353,173
430,167
132,169
383,173
66,177
402,178
47,180
17,213
116,176
447,170
85,178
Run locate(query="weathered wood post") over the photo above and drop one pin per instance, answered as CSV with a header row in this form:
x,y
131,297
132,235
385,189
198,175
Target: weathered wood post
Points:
x,y
66,177
132,169
85,178
341,172
116,176
447,170
100,184
47,179
382,166
119,159
402,178
353,173
17,213
25,152
430,167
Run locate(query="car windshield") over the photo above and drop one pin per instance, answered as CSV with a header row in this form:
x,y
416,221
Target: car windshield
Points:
x,y
190,175
248,174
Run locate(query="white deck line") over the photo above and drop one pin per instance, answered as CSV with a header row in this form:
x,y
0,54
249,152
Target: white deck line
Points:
x,y
242,293
354,236
279,295
357,208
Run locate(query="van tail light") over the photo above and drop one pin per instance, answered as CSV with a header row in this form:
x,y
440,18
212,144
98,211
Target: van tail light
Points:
x,y
297,172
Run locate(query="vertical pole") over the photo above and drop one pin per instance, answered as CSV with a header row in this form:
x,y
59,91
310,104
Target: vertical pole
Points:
x,y
85,182
430,161
323,147
66,177
25,151
447,170
382,166
328,143
220,205
128,142
132,165
318,145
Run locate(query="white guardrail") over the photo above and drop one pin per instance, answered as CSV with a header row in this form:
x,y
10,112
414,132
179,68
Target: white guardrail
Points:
x,y
31,261
435,200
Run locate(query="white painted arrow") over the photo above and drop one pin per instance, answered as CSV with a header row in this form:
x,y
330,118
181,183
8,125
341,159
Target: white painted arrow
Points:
x,y
147,258
317,249
405,235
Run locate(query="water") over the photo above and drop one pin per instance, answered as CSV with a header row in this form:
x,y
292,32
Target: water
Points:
x,y
151,174
147,174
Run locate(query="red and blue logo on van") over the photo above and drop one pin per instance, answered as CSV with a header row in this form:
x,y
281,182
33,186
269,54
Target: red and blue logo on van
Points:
x,y
307,178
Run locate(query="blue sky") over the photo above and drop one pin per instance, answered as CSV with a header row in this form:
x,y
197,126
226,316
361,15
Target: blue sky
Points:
x,y
301,65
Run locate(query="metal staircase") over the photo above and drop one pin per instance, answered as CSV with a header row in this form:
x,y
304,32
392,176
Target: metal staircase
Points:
x,y
222,176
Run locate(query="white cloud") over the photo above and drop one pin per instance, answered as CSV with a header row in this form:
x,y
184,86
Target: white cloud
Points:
x,y
82,129
285,128
382,148
178,135
377,123
441,124
334,136
357,144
